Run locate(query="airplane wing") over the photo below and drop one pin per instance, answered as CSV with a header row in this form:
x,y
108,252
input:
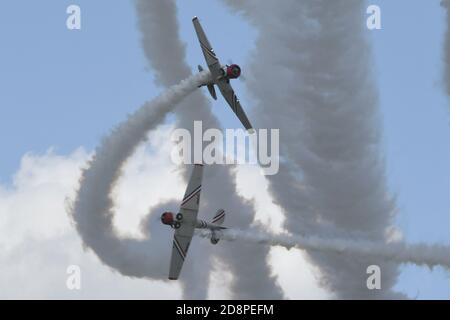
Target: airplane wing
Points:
x,y
189,209
233,101
210,56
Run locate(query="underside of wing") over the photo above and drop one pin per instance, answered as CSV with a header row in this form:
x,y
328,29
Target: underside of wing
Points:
x,y
179,251
210,56
189,210
229,95
191,199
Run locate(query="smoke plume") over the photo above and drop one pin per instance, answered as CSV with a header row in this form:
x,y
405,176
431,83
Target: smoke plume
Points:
x,y
320,93
251,275
92,210
417,254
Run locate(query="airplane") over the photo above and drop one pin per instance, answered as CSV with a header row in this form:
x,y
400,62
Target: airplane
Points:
x,y
221,75
185,222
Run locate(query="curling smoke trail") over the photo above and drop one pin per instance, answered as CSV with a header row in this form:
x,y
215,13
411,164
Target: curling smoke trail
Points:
x,y
92,209
418,254
252,277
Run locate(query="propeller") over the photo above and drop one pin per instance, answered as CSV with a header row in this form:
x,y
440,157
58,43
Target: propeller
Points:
x,y
242,76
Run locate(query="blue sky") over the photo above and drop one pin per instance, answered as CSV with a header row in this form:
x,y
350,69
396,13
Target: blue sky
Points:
x,y
416,118
65,89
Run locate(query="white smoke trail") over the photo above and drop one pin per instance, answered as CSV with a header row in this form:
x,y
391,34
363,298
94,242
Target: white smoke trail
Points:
x,y
92,210
400,252
252,277
321,94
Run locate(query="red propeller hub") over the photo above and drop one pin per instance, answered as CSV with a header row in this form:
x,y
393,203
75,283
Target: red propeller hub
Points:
x,y
233,71
167,218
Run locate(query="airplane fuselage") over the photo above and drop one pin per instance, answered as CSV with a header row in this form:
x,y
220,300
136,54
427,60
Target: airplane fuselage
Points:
x,y
227,72
175,222
169,219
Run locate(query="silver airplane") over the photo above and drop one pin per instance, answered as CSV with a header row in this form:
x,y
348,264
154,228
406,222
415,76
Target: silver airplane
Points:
x,y
221,75
185,222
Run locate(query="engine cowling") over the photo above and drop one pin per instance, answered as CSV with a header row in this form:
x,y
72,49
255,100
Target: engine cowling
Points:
x,y
232,71
167,218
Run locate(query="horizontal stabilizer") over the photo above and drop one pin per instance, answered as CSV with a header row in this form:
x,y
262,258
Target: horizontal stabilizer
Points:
x,y
212,91
219,217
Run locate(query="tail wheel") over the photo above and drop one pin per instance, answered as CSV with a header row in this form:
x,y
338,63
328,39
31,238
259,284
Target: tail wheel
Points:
x,y
179,216
177,225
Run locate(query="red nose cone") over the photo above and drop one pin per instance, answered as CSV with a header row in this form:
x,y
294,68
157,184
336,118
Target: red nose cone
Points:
x,y
233,71
167,218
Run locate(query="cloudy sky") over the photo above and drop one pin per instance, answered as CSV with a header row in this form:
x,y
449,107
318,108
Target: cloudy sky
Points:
x,y
63,90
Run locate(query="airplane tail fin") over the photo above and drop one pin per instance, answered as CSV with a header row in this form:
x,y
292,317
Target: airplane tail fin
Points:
x,y
218,220
210,87
212,91
219,217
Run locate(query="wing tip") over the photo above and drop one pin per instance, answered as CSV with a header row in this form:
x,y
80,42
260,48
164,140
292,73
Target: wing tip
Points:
x,y
194,18
251,130
173,278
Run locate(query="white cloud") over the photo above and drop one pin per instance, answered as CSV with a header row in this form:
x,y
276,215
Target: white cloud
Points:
x,y
34,205
38,242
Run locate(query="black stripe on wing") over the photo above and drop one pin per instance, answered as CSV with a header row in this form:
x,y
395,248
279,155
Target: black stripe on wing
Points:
x,y
179,248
